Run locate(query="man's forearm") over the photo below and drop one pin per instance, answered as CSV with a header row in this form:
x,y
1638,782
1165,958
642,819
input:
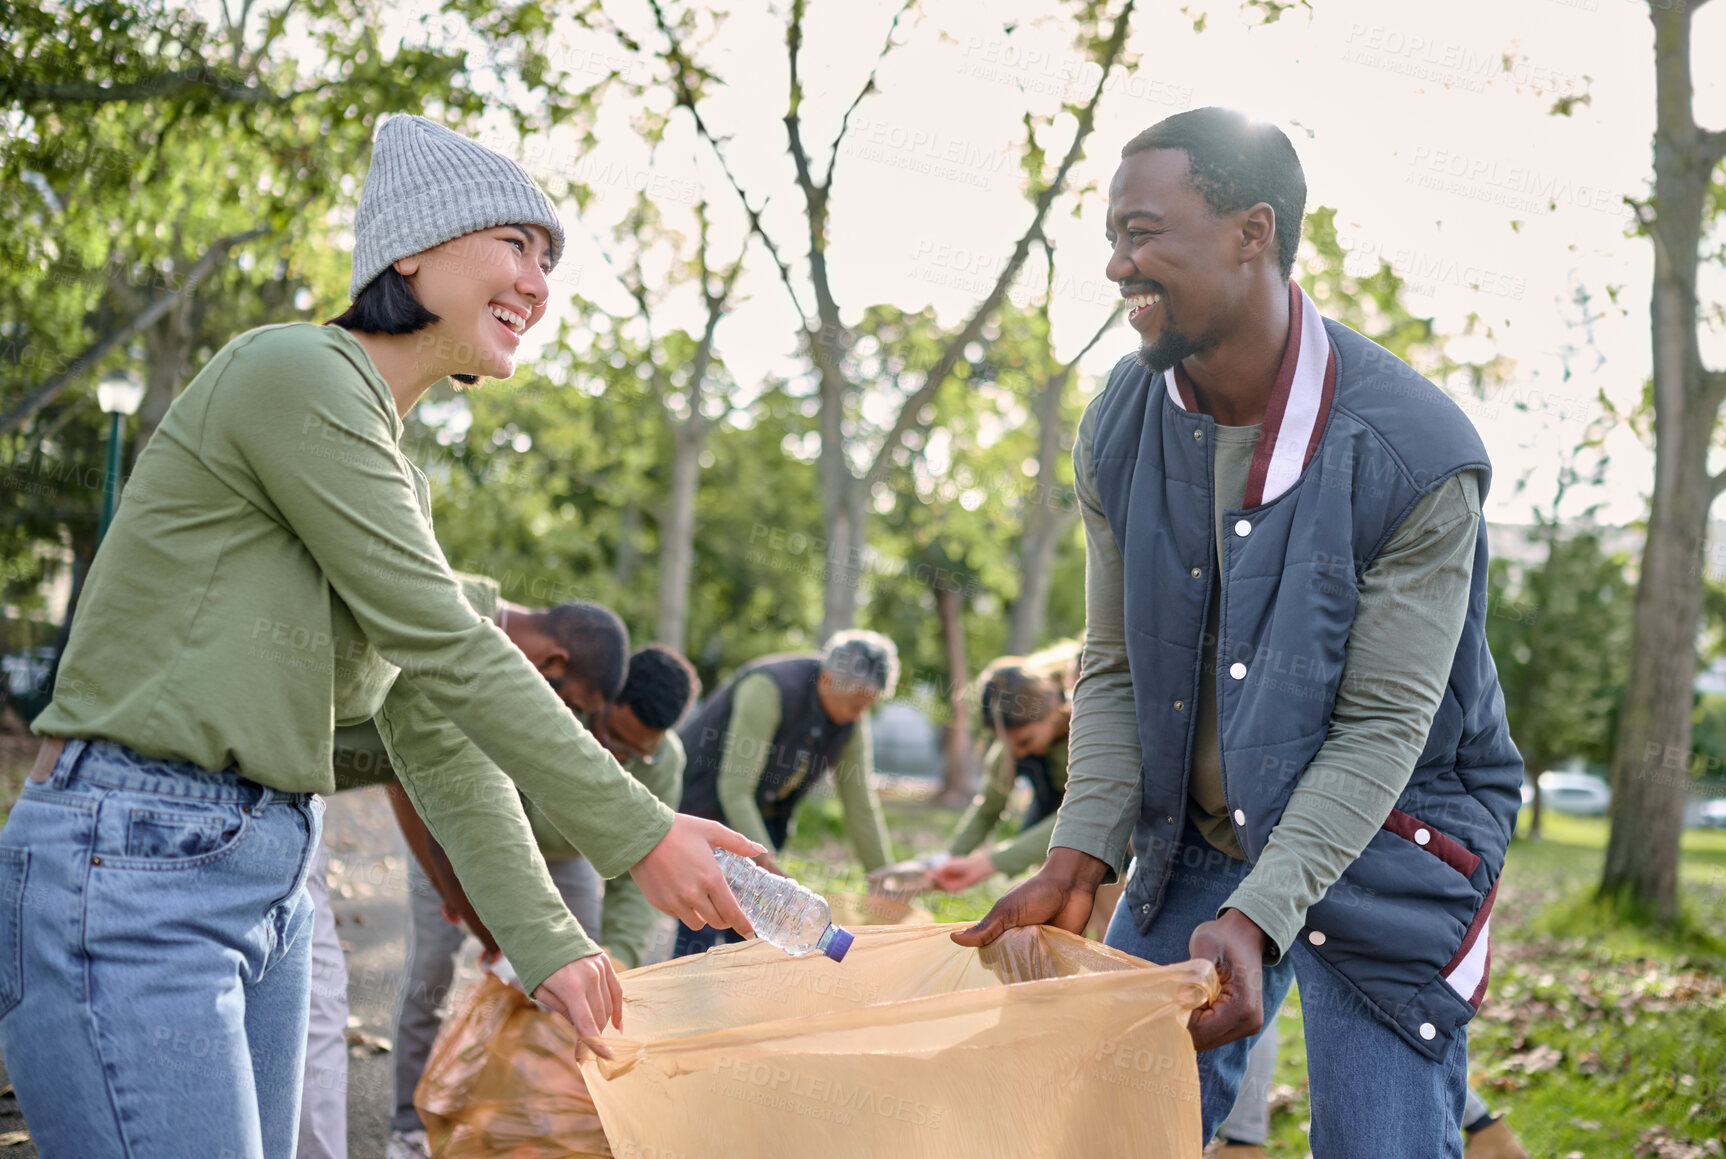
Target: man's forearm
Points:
x,y
1104,784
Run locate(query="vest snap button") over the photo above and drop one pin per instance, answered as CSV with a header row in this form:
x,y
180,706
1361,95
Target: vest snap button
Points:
x,y
1180,706
1168,820
1421,836
1240,817
1197,573
95,861
1238,670
1144,909
1198,434
1242,527
1428,1031
1316,937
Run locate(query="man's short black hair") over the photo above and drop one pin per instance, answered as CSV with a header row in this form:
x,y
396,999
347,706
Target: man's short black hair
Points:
x,y
660,688
387,306
597,643
1235,162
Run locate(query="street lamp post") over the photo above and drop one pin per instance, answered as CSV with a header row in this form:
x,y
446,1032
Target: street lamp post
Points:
x,y
119,394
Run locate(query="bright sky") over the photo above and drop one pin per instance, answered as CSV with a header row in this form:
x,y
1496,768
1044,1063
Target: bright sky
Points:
x,y
1427,127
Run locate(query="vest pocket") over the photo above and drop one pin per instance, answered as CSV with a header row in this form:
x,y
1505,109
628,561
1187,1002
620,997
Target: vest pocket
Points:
x,y
1447,849
14,873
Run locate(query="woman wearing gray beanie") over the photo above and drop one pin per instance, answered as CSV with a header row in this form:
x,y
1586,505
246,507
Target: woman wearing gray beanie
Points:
x,y
271,574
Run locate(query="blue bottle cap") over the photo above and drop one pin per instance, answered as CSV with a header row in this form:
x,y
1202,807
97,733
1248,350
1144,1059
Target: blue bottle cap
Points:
x,y
838,944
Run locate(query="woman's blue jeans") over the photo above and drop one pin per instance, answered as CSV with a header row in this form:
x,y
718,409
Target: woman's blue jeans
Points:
x,y
1372,1093
154,958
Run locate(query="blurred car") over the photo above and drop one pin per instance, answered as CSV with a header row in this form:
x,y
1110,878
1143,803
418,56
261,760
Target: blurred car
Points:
x,y
1582,794
1712,814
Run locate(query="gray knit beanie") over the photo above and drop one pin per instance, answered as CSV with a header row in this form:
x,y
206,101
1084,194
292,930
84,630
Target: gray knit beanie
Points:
x,y
428,185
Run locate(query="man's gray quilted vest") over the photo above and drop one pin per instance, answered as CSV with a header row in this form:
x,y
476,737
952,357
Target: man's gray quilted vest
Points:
x,y
1402,925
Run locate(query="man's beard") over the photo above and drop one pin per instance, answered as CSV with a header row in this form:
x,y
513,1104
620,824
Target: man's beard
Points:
x,y
1171,346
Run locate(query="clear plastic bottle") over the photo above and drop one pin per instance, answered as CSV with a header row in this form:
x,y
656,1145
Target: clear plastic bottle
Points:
x,y
791,916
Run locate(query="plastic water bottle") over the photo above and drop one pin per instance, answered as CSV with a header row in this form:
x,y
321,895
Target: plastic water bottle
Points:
x,y
791,916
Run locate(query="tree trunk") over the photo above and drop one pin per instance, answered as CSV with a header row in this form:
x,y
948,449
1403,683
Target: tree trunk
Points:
x,y
1650,767
628,546
167,357
1531,775
958,777
847,539
1049,514
1036,576
677,538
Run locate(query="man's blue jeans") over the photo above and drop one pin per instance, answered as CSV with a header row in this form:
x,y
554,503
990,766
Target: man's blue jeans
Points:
x,y
154,958
1372,1093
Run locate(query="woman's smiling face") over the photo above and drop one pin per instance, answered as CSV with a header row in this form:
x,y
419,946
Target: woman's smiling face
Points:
x,y
487,288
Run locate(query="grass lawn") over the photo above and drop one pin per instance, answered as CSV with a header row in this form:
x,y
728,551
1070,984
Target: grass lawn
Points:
x,y
1597,1039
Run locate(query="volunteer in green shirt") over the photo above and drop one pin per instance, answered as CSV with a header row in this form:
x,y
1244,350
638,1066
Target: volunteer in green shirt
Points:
x,y
273,572
1026,709
634,724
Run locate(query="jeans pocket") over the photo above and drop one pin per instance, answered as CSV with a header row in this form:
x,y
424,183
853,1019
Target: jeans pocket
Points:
x,y
14,873
184,835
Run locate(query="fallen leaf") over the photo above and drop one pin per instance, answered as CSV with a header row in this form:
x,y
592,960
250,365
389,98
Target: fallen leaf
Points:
x,y
1536,1060
13,1138
362,1043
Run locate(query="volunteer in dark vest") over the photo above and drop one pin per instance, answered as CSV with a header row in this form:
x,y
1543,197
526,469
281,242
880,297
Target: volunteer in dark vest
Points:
x,y
768,736
1286,701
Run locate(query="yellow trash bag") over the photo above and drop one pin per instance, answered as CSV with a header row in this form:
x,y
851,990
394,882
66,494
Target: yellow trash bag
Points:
x,y
1043,1044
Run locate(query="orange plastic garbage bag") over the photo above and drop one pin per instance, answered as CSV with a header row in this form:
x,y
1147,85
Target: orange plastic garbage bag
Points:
x,y
502,1081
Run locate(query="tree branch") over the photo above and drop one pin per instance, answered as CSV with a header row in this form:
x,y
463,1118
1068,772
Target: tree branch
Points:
x,y
908,417
1108,324
814,192
1713,393
202,76
1713,147
868,87
98,350
686,97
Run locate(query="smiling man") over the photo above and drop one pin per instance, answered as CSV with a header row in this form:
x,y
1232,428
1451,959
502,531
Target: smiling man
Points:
x,y
1286,700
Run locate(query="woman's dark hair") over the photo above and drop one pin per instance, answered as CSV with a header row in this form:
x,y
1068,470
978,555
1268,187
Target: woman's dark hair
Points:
x,y
660,688
387,306
1010,697
597,642
1235,162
